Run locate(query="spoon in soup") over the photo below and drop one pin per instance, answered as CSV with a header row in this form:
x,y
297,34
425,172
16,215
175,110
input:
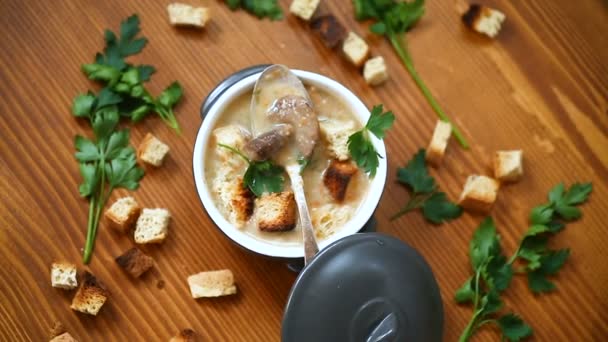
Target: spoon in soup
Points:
x,y
286,129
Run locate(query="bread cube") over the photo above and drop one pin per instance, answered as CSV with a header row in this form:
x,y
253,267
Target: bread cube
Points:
x,y
183,14
186,335
336,133
374,71
439,142
152,226
152,151
65,337
123,213
63,275
508,165
329,218
304,8
57,329
329,29
135,262
337,177
276,212
212,284
91,295
484,20
479,193
355,49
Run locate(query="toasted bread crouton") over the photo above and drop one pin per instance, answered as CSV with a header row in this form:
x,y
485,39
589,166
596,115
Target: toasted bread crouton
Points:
x,y
439,142
329,218
243,202
182,14
304,8
336,133
276,212
484,20
374,71
337,176
234,136
152,151
212,284
152,226
65,337
186,335
91,295
479,193
329,29
57,329
63,275
135,262
355,49
123,213
508,165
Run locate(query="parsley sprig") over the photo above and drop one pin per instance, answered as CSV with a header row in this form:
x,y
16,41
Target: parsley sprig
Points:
x,y
435,205
394,18
361,148
259,8
493,271
261,176
107,162
127,80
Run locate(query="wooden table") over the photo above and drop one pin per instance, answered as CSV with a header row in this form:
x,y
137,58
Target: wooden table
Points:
x,y
541,86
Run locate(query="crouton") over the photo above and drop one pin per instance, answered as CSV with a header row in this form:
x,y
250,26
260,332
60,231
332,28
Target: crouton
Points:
x,y
91,295
337,176
186,335
152,226
123,213
336,134
375,71
57,329
479,193
212,284
233,136
65,337
304,8
135,262
439,142
182,14
508,166
276,212
243,201
152,151
329,218
329,29
355,49
63,275
484,20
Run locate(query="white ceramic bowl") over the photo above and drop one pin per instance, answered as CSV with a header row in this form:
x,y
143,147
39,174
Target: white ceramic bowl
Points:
x,y
242,238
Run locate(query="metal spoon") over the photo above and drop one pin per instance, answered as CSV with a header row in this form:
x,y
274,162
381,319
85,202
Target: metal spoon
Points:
x,y
279,98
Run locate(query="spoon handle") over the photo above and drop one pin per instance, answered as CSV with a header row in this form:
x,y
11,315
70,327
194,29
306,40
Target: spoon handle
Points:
x,y
308,235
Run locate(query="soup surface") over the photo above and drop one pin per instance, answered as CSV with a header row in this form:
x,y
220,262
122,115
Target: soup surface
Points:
x,y
224,168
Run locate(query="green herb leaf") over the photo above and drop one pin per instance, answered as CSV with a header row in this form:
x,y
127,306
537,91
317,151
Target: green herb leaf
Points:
x,y
416,175
264,176
491,302
379,122
550,264
171,95
259,8
90,179
541,214
145,72
513,327
363,152
564,202
118,48
438,208
498,273
466,293
485,243
107,98
87,151
83,105
123,171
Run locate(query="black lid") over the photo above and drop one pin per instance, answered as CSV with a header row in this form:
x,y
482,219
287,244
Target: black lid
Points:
x,y
365,287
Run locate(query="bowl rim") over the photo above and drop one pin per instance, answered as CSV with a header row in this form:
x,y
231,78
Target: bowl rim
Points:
x,y
363,214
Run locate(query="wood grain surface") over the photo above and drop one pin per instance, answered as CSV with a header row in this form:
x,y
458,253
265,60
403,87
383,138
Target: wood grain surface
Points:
x,y
541,86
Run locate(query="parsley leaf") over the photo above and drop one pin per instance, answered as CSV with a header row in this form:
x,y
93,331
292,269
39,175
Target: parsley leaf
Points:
x,y
118,48
513,327
392,19
493,272
260,176
361,148
259,8
436,207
